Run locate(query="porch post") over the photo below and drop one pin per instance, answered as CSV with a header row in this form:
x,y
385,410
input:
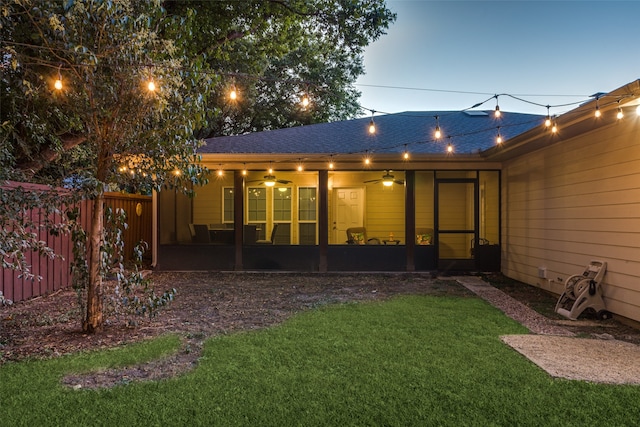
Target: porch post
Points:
x,y
323,218
410,217
238,216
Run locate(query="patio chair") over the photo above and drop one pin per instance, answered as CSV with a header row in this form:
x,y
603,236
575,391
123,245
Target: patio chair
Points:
x,y
358,236
424,236
273,237
200,233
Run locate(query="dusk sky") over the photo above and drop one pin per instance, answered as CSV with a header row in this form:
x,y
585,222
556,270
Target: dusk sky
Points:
x,y
537,50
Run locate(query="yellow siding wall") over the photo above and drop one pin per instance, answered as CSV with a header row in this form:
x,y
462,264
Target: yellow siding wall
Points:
x,y
384,207
575,201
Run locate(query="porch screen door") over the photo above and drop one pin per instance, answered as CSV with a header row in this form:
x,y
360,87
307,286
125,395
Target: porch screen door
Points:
x,y
456,223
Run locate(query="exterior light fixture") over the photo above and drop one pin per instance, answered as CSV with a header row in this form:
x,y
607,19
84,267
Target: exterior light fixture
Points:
x,y
497,112
438,133
499,137
597,113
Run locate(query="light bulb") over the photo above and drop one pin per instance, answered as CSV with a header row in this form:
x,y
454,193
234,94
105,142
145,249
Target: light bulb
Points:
x,y
497,112
620,113
151,86
300,168
638,110
233,95
244,172
499,139
220,172
438,133
305,101
270,171
449,148
58,84
372,127
269,183
598,113
331,165
547,122
406,155
387,183
367,161
554,128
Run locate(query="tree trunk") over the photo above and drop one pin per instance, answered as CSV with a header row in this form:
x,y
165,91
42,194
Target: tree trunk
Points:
x,y
94,320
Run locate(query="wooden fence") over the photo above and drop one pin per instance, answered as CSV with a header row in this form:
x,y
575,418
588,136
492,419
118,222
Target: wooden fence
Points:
x,y
55,273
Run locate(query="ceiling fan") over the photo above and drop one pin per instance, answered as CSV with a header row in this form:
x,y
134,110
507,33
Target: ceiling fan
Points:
x,y
387,180
271,180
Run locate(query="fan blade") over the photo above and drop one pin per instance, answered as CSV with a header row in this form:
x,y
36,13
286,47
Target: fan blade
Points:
x,y
283,181
399,182
373,180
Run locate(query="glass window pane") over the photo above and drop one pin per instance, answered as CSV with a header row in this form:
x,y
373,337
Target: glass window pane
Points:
x,y
308,233
282,204
257,204
307,204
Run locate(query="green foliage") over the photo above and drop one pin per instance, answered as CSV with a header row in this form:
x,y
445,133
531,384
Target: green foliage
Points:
x,y
275,52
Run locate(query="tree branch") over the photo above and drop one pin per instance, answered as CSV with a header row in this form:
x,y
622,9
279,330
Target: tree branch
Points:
x,y
31,167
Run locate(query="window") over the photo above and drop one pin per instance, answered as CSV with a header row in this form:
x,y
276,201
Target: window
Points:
x,y
257,204
307,212
282,204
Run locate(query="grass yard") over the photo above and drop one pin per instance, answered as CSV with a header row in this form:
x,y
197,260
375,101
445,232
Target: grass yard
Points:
x,y
415,360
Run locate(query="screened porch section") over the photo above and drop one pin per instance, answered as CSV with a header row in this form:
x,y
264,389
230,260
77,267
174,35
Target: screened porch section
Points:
x,y
373,219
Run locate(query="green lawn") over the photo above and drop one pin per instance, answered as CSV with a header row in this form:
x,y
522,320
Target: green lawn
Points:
x,y
409,361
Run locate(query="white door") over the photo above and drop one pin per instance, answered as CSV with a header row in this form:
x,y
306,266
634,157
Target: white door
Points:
x,y
348,212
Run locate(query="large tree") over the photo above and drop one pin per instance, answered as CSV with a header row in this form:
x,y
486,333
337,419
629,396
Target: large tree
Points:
x,y
77,108
103,125
275,52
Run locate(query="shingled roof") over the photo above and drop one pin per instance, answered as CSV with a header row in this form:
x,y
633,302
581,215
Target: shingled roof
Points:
x,y
468,131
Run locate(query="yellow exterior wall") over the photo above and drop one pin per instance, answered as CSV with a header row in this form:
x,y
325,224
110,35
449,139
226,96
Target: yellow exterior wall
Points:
x,y
572,202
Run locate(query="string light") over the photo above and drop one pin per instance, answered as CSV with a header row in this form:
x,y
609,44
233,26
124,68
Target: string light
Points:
x,y
499,137
554,128
300,166
372,125
547,121
220,172
449,148
58,82
151,86
597,113
244,169
367,159
405,154
437,134
233,94
331,164
638,110
497,112
620,114
304,101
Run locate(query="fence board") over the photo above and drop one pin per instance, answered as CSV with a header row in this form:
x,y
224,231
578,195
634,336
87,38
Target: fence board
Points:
x,y
56,273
